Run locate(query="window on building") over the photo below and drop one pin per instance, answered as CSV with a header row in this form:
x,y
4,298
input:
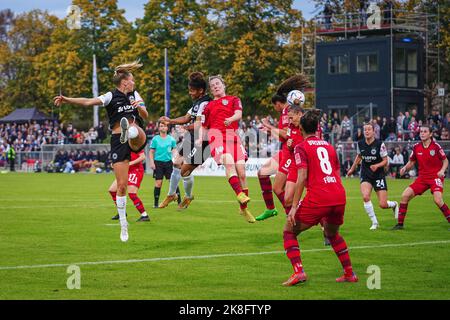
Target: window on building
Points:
x,y
338,64
406,75
367,62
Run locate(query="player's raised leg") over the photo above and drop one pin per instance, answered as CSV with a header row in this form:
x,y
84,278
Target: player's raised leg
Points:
x,y
264,173
386,204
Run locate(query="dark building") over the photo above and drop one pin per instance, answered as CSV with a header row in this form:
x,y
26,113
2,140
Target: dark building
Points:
x,y
364,72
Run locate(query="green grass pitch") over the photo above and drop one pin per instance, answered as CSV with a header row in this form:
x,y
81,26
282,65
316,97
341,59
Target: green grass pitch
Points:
x,y
50,221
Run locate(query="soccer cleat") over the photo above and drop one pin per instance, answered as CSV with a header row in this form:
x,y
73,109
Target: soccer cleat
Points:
x,y
398,226
374,226
167,200
143,219
348,278
247,215
116,217
242,198
295,279
124,125
267,214
124,232
396,209
185,203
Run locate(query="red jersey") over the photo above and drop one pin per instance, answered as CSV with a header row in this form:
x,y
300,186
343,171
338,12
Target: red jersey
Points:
x,y
294,133
284,122
429,159
217,111
324,186
137,166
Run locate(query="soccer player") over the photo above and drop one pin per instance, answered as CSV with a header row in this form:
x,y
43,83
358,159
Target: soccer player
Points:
x,y
162,150
135,176
126,112
278,164
222,116
373,157
432,164
318,172
190,154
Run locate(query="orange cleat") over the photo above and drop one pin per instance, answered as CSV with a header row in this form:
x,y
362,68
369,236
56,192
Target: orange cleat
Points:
x,y
295,278
346,278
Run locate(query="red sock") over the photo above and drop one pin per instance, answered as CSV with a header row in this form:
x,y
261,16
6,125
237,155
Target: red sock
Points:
x,y
266,187
402,213
446,211
292,250
244,206
137,202
235,184
340,248
281,197
113,196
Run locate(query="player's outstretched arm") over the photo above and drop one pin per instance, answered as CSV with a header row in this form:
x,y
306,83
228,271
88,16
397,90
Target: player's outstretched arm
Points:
x,y
85,102
407,167
299,186
441,173
180,120
138,160
356,163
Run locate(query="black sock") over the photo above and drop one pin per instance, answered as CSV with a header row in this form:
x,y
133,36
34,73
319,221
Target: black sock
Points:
x,y
156,193
178,194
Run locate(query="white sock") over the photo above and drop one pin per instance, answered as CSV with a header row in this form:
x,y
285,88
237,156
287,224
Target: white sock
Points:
x,y
132,132
368,206
188,183
121,203
144,214
174,180
391,204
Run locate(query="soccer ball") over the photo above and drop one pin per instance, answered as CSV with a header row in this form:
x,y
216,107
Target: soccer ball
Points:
x,y
296,97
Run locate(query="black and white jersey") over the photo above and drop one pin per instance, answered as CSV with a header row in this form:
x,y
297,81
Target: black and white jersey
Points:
x,y
371,154
118,105
198,107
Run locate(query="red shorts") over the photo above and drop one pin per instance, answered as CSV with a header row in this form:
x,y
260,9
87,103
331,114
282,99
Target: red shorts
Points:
x,y
135,177
313,215
292,174
421,185
221,147
285,163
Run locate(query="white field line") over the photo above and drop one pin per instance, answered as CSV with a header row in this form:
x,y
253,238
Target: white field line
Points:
x,y
393,245
95,203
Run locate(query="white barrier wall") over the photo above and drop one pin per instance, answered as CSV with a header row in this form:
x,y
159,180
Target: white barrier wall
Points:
x,y
210,168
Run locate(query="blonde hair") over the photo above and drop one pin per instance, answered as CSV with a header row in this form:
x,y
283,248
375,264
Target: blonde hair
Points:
x,y
211,78
124,71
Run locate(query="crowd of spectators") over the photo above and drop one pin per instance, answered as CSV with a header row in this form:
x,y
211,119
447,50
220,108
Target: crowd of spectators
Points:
x,y
399,133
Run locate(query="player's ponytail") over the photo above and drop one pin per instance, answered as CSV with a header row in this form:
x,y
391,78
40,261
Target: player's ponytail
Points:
x,y
310,121
296,82
124,71
197,81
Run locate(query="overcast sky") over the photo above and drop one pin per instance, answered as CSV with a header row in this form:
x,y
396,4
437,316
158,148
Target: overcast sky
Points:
x,y
133,8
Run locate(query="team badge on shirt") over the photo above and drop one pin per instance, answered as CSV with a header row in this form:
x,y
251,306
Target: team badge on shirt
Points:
x,y
374,151
432,153
225,102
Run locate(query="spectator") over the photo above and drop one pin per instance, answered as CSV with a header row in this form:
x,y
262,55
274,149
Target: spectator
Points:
x,y
101,133
396,163
444,134
376,128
